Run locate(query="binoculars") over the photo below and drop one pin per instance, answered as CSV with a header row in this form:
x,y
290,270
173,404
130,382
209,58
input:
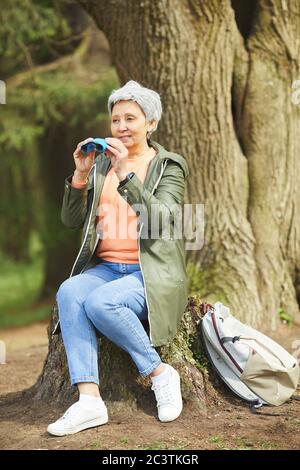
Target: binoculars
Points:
x,y
99,144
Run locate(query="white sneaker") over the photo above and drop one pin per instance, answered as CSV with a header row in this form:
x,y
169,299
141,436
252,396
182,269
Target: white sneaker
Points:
x,y
77,418
168,396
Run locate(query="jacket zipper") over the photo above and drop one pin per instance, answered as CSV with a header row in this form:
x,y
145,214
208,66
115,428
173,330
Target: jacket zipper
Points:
x,y
164,164
90,257
97,235
88,225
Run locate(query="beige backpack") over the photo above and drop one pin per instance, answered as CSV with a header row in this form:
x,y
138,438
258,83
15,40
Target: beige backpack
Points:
x,y
253,365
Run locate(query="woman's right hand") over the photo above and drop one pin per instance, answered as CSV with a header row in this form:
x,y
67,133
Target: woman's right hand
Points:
x,y
83,161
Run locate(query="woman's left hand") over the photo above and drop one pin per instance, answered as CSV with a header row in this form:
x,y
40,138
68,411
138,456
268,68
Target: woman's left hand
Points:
x,y
118,154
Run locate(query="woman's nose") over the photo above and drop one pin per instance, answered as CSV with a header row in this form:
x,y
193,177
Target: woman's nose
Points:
x,y
122,125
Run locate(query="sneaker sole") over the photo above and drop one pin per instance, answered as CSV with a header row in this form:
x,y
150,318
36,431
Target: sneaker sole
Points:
x,y
86,425
169,420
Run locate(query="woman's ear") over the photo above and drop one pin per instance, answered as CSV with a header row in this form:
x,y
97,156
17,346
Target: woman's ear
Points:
x,y
153,126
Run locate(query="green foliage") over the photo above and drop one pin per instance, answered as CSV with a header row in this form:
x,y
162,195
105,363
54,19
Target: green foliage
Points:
x,y
20,283
16,134
51,98
285,317
27,28
201,359
39,98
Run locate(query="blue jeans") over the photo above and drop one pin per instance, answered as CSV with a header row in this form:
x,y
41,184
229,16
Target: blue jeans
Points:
x,y
109,297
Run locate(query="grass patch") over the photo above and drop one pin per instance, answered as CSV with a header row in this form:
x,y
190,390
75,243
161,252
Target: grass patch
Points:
x,y
124,440
94,446
219,442
215,440
267,445
20,284
242,443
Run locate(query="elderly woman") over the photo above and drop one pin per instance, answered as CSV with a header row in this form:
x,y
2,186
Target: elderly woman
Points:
x,y
124,273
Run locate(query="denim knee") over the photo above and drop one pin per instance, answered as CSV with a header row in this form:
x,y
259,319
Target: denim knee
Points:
x,y
63,289
66,296
67,289
92,305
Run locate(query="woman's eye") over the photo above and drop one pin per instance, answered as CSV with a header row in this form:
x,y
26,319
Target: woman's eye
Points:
x,y
117,120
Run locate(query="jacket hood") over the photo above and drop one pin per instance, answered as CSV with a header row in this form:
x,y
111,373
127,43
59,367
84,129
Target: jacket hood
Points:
x,y
164,154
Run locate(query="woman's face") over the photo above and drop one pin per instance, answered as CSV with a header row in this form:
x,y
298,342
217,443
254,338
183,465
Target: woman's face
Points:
x,y
128,123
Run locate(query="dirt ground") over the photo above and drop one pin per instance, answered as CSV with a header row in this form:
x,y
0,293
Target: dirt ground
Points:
x,y
227,425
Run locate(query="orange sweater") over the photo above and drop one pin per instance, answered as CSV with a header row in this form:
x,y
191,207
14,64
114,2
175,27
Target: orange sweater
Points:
x,y
116,220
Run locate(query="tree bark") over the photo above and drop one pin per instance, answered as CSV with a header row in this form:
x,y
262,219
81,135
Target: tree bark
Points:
x,y
270,129
227,108
219,112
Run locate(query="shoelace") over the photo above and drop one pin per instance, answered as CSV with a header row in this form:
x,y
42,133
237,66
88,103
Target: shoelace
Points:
x,y
69,413
163,394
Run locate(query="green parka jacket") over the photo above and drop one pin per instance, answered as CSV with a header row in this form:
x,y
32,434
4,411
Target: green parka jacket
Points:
x,y
162,258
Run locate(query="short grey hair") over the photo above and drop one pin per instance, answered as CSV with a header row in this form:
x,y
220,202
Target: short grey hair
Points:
x,y
148,100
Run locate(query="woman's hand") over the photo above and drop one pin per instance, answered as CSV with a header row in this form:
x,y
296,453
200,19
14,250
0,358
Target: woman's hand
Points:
x,y
83,161
118,154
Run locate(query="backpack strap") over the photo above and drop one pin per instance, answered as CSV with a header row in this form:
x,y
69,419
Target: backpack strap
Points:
x,y
295,397
254,408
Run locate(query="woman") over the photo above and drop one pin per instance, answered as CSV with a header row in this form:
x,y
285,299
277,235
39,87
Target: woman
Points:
x,y
120,279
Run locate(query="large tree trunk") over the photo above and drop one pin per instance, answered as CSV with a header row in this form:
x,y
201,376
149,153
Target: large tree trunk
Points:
x,y
227,108
270,128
